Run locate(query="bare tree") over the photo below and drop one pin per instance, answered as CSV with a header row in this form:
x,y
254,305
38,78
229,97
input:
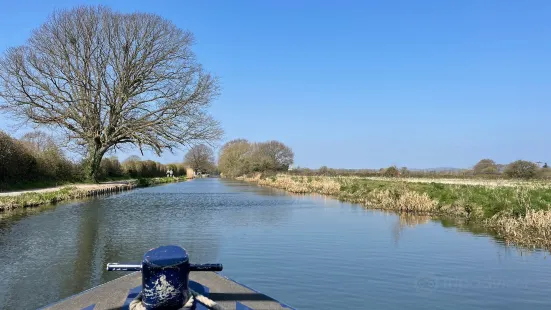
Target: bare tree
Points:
x,y
200,158
39,141
279,153
109,79
272,155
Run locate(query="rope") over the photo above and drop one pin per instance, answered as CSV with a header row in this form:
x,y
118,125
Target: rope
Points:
x,y
137,304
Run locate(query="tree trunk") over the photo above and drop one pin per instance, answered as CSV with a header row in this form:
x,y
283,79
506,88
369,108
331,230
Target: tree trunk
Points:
x,y
93,164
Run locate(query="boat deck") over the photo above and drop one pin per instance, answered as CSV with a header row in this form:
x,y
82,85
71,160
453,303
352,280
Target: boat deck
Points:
x,y
118,294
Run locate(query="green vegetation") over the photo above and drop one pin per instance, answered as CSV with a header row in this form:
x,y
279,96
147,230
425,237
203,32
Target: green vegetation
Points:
x,y
486,167
39,198
36,161
522,169
240,157
144,182
391,172
32,199
518,212
133,167
474,201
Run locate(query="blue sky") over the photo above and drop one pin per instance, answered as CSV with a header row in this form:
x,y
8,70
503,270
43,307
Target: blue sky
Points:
x,y
364,84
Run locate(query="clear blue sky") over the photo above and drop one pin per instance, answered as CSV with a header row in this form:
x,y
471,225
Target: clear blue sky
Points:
x,y
367,84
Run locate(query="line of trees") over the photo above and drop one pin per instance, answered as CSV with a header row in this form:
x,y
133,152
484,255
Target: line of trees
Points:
x,y
240,157
485,168
519,169
134,167
37,158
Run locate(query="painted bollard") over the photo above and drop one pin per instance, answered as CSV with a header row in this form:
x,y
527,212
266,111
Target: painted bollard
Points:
x,y
165,275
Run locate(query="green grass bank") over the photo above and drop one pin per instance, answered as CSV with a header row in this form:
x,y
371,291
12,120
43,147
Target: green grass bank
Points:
x,y
75,191
519,212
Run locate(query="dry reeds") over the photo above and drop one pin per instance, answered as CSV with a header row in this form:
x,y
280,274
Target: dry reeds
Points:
x,y
518,211
532,229
299,184
402,201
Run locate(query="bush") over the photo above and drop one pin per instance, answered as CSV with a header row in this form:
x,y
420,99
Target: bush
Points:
x,y
16,163
391,172
110,168
133,167
144,182
521,169
35,158
485,167
178,169
544,173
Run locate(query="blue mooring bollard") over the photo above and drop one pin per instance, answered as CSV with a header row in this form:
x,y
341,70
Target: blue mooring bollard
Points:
x,y
165,275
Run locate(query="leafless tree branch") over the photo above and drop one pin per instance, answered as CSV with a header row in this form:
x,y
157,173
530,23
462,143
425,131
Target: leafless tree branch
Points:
x,y
108,79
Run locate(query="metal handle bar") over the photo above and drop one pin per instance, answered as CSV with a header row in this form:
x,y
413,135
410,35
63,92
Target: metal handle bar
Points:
x,y
138,267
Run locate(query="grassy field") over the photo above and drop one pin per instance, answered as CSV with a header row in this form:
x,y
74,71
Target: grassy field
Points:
x,y
536,183
518,211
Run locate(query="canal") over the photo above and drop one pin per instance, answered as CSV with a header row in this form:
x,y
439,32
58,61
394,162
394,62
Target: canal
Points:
x,y
308,251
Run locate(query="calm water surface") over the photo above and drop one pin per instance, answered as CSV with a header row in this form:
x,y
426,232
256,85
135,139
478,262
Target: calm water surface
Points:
x,y
307,251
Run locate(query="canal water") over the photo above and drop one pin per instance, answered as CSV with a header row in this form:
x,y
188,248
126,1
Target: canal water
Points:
x,y
308,251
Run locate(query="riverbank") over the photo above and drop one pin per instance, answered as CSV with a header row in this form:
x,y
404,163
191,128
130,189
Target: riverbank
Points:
x,y
33,198
517,211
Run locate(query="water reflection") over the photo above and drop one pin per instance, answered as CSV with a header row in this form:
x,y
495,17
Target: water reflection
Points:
x,y
265,237
406,220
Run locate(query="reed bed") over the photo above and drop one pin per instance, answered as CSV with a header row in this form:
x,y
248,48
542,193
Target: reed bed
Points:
x,y
532,230
518,211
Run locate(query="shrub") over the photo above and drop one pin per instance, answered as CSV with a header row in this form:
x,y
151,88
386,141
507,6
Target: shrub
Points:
x,y
36,160
110,167
33,158
391,172
16,163
485,167
143,182
521,169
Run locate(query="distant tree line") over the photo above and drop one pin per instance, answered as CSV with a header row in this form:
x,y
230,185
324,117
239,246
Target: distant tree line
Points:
x,y
134,167
36,159
240,157
485,168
